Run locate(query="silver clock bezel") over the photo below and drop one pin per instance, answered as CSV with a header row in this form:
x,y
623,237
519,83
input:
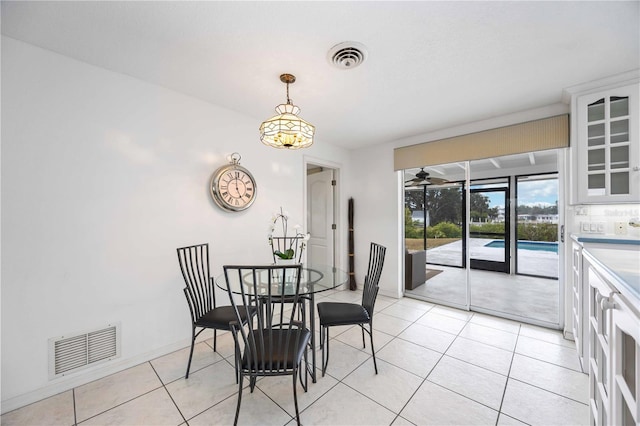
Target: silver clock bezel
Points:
x,y
217,197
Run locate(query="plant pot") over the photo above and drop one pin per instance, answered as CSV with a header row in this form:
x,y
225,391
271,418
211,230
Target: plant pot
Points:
x,y
290,276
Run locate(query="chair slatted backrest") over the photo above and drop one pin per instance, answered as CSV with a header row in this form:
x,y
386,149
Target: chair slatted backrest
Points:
x,y
376,262
199,290
274,335
282,244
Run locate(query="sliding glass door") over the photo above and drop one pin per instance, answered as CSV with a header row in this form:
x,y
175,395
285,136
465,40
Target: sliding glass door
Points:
x,y
486,231
435,231
445,244
537,230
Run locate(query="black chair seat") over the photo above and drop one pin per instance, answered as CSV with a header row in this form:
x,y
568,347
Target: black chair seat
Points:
x,y
274,352
335,313
221,316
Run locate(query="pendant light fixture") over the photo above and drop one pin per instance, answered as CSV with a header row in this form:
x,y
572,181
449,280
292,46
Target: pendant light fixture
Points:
x,y
287,130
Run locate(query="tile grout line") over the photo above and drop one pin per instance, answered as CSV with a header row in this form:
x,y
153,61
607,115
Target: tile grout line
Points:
x,y
550,363
484,368
586,404
434,365
164,386
75,415
397,337
506,383
362,363
124,402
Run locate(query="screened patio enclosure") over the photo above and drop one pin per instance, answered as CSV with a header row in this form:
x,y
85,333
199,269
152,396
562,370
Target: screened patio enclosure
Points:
x,y
490,232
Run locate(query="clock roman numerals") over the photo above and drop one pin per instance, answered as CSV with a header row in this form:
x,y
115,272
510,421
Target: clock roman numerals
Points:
x,y
233,188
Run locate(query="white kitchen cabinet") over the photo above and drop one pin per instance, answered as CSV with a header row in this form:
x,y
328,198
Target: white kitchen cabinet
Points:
x,y
614,349
606,147
599,349
579,306
625,372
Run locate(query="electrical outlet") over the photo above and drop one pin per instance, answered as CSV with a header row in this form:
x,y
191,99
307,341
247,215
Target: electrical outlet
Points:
x,y
620,228
582,211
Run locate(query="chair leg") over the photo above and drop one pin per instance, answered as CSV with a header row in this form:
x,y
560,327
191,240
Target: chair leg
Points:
x,y
326,343
363,344
235,422
215,335
373,352
305,369
295,398
193,342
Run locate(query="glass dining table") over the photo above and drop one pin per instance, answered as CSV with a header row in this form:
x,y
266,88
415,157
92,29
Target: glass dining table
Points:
x,y
315,278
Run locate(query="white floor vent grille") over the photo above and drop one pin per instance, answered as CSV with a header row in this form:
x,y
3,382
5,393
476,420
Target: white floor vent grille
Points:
x,y
70,353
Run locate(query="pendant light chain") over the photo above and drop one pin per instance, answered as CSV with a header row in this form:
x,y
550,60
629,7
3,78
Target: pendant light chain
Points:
x,y
288,100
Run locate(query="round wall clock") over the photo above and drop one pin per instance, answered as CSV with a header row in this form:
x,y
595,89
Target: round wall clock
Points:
x,y
233,188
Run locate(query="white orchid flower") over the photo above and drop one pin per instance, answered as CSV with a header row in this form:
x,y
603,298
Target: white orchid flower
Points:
x,y
307,236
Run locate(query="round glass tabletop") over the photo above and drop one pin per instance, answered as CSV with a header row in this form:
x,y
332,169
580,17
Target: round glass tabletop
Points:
x,y
315,278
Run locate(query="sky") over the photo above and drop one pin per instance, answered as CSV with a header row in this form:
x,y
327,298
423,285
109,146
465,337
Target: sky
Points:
x,y
540,192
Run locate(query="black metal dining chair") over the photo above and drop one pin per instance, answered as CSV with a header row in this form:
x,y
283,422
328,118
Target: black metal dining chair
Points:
x,y
336,313
201,297
274,344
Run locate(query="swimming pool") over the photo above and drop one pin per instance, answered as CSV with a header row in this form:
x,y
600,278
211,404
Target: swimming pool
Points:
x,y
528,245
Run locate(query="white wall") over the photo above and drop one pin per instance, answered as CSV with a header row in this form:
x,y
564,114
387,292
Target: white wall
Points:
x,y
375,206
103,176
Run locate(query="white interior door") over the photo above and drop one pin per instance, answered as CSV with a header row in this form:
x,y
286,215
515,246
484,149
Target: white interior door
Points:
x,y
320,218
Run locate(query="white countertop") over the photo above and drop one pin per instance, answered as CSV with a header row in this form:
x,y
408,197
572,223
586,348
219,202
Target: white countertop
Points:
x,y
622,262
606,239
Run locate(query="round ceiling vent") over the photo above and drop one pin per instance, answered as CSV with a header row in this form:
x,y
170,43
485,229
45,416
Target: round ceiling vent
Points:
x,y
348,54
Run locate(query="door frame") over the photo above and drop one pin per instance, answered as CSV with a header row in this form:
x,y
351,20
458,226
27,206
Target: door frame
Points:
x,y
491,265
337,205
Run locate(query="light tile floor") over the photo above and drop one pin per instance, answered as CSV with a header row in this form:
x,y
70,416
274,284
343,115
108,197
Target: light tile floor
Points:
x,y
437,365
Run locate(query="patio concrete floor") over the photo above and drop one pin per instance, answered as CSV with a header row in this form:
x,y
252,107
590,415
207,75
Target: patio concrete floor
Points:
x,y
522,296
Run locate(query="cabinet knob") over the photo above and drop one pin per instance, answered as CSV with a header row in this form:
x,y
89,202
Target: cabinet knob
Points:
x,y
606,304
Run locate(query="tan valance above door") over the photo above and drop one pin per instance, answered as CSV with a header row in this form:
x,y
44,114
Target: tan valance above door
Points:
x,y
538,135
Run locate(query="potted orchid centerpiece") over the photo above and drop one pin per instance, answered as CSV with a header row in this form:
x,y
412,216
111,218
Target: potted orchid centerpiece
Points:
x,y
287,246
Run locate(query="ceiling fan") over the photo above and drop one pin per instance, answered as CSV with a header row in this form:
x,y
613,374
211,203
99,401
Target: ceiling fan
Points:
x,y
423,178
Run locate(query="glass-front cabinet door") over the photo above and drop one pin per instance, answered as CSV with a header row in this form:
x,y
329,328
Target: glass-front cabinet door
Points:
x,y
625,374
607,144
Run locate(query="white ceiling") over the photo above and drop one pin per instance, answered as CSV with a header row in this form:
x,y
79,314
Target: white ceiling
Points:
x,y
431,65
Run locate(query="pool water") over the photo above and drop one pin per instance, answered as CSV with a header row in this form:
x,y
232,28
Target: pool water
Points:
x,y
528,245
